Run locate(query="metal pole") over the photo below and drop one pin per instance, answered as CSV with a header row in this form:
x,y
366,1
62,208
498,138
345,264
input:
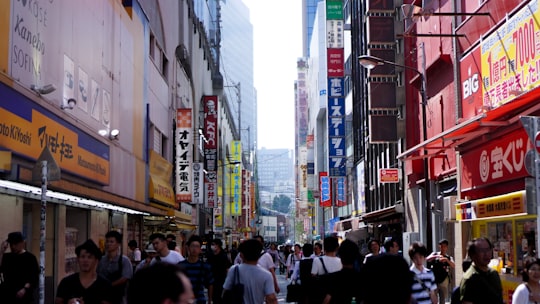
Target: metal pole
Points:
x,y
537,185
42,232
427,207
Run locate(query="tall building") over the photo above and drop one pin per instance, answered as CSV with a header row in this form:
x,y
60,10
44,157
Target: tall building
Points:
x,y
237,69
275,170
309,9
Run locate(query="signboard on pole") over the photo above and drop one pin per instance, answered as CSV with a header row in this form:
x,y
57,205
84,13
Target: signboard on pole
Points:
x,y
389,175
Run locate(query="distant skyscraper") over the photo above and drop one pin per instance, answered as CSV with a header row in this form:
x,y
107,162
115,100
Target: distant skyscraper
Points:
x,y
237,67
309,9
275,170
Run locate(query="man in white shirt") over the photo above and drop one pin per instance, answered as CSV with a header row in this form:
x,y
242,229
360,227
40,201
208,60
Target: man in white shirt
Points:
x,y
266,262
331,262
159,241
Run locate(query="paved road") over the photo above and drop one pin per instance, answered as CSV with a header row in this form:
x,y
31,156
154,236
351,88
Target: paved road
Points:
x,y
283,286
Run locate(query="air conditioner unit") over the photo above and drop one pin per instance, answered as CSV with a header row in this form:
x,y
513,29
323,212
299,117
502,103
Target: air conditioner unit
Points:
x,y
449,206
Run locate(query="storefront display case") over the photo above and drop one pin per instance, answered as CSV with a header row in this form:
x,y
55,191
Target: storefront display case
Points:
x,y
513,239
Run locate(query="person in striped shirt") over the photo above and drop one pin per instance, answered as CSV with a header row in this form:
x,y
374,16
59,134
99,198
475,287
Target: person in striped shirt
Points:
x,y
198,272
424,286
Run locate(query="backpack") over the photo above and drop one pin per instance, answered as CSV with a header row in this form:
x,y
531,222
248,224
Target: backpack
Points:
x,y
235,295
439,270
456,295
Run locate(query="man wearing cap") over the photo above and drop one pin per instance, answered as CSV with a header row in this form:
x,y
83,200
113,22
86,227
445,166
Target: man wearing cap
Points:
x,y
441,263
19,269
147,256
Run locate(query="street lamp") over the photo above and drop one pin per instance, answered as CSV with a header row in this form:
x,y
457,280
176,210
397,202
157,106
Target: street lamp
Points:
x,y
370,62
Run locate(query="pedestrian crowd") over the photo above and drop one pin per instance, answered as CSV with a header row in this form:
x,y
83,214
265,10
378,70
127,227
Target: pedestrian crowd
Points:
x,y
330,272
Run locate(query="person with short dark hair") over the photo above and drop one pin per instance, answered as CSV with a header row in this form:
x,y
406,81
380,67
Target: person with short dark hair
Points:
x,y
115,266
374,247
317,250
135,254
528,291
20,270
171,242
266,262
198,272
391,246
292,260
85,286
258,282
164,254
219,263
385,279
481,284
323,266
302,274
441,263
424,287
330,260
343,285
160,283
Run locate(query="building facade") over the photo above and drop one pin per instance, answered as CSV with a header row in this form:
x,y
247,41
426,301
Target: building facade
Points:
x,y
119,104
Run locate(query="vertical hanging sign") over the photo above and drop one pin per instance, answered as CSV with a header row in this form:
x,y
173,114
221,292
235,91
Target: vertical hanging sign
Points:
x,y
236,178
336,100
325,190
184,152
210,150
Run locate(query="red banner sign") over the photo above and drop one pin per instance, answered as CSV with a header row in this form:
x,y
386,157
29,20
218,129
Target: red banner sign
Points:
x,y
497,161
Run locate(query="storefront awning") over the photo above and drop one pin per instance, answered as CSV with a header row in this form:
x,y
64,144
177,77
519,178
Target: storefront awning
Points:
x,y
496,206
161,191
382,213
474,127
32,192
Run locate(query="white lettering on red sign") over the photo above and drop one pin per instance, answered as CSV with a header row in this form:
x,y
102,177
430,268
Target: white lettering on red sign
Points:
x,y
495,162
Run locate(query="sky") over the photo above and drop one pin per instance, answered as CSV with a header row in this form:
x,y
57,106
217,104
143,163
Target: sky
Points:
x,y
277,30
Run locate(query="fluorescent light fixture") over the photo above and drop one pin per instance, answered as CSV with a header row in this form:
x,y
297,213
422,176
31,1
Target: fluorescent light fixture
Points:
x,y
67,199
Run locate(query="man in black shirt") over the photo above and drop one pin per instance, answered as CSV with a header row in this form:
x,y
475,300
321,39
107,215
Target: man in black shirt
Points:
x,y
219,262
20,271
85,286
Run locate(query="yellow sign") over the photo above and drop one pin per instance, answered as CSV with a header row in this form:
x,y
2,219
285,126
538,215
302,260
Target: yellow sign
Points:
x,y
510,57
69,147
159,188
507,204
5,161
236,189
236,151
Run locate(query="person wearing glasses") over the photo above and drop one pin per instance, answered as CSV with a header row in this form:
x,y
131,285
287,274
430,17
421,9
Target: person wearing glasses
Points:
x,y
481,284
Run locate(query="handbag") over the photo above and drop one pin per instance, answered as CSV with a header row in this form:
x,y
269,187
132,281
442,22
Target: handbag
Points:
x,y
294,292
235,295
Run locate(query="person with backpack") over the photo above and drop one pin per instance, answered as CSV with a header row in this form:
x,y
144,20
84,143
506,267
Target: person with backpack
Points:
x,y
442,264
256,283
302,274
115,266
424,287
323,266
292,259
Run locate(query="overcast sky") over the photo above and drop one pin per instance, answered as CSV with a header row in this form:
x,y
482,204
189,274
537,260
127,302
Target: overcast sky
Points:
x,y
277,27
